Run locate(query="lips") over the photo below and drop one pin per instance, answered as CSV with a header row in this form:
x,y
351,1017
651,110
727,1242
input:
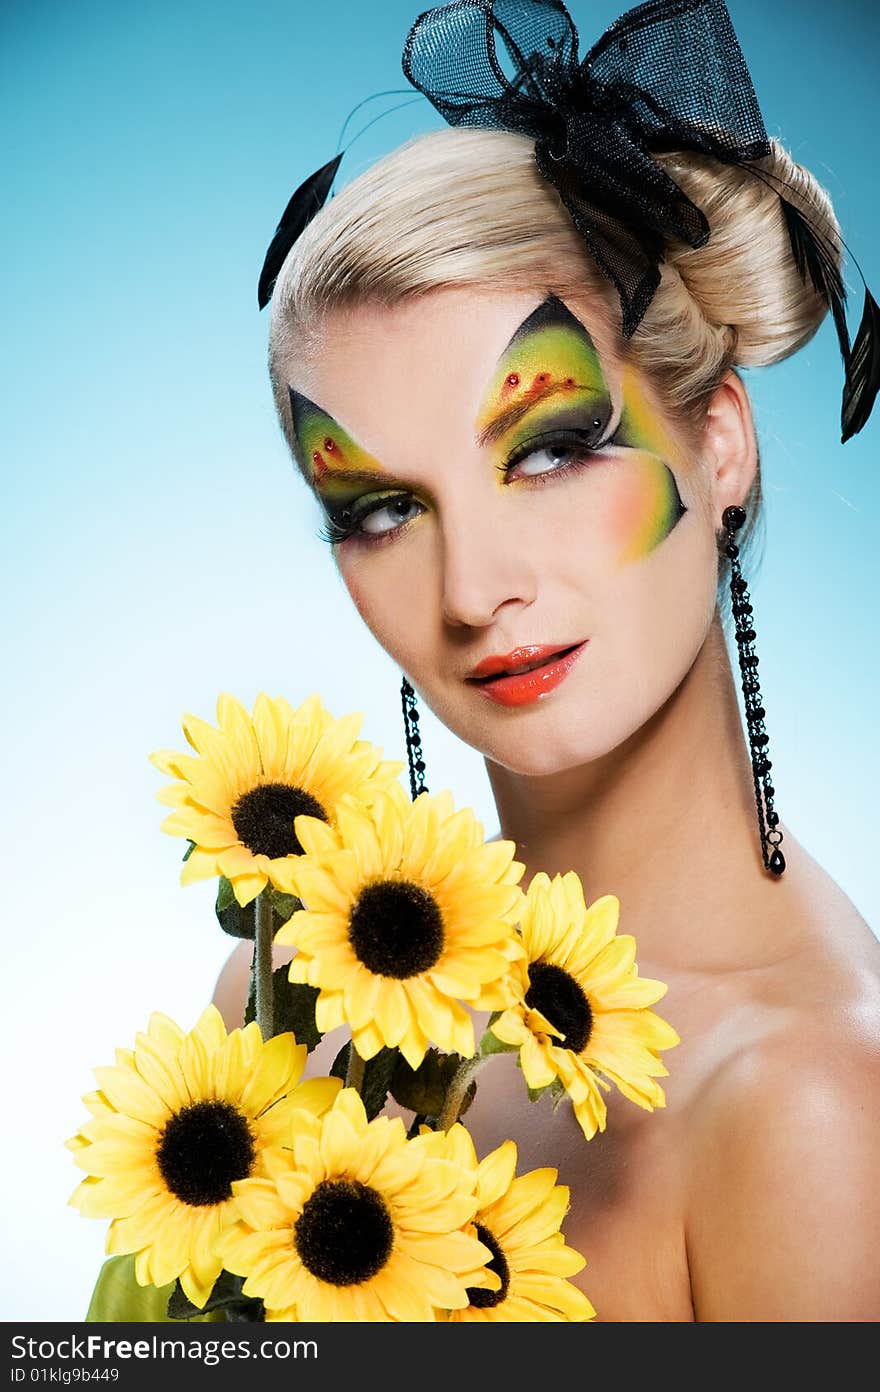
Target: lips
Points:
x,y
518,660
546,668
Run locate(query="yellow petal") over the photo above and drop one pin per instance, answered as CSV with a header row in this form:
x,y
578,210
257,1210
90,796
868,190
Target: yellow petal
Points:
x,y
495,1173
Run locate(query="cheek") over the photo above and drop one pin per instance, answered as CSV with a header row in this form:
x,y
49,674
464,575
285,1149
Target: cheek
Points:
x,y
387,605
356,592
644,506
658,610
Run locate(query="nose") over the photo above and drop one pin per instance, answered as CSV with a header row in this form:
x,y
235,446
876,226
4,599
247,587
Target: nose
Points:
x,y
485,566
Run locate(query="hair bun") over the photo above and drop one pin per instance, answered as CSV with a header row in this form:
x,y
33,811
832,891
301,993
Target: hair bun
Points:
x,y
745,279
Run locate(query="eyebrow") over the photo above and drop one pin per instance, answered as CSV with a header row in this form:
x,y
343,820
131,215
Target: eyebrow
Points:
x,y
511,415
552,312
334,476
502,423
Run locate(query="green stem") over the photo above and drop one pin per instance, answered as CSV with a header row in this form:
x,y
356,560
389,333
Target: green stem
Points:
x,y
263,935
354,1073
461,1081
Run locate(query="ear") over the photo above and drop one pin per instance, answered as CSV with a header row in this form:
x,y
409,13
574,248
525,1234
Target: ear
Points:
x,y
730,449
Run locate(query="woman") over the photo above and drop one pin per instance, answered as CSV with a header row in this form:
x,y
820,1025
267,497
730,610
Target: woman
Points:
x,y
508,482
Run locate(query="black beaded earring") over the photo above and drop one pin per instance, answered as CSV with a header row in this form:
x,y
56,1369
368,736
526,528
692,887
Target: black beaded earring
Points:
x,y
413,740
768,818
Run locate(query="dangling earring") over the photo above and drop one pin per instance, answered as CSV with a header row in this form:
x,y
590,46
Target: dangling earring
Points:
x,y
413,740
768,819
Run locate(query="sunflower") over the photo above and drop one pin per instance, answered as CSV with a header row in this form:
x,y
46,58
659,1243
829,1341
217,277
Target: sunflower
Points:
x,y
356,1222
518,1218
582,1012
409,913
236,802
174,1123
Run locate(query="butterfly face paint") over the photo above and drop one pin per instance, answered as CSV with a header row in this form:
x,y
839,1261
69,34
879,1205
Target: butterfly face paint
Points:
x,y
338,468
326,451
548,375
508,517
549,390
648,504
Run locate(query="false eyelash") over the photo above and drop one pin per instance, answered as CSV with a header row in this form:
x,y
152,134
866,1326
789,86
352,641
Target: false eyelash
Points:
x,y
336,531
584,439
333,531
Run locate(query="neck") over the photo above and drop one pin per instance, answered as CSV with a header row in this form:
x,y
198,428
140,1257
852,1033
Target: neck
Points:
x,y
666,822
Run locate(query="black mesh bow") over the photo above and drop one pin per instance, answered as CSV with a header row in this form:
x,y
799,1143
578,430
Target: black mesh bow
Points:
x,y
665,76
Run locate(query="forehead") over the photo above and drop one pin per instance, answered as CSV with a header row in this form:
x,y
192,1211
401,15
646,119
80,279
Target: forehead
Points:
x,y
438,349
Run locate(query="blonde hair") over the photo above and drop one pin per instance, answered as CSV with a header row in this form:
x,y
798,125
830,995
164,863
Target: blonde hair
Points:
x,y
467,206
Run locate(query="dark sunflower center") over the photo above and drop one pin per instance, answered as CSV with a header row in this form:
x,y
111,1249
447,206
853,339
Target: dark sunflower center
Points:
x,y
560,1000
263,818
344,1234
396,929
483,1299
202,1150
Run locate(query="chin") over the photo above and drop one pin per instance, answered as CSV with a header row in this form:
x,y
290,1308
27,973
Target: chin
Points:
x,y
549,739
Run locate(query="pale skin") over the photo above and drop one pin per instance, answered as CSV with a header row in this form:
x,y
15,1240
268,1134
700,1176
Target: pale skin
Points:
x,y
752,1196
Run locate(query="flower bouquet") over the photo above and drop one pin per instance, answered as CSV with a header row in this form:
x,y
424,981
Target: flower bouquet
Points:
x,y
240,1184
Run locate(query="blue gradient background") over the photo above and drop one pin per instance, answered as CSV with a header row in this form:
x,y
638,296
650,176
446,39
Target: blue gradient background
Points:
x,y
158,548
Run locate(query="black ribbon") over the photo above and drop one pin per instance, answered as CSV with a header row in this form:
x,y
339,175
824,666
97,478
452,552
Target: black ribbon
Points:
x,y
667,75
664,76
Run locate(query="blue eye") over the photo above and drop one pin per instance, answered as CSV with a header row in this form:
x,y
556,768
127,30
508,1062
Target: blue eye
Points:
x,y
397,509
579,445
351,521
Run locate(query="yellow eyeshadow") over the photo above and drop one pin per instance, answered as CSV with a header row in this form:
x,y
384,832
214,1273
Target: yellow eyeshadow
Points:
x,y
327,447
641,425
646,505
554,362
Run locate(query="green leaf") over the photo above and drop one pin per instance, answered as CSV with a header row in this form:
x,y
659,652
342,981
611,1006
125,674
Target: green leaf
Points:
x,y
225,894
118,1299
422,1089
339,1066
419,1089
285,905
233,919
558,1092
378,1072
535,1093
470,1094
250,1008
294,1008
377,1080
189,850
491,1044
226,1296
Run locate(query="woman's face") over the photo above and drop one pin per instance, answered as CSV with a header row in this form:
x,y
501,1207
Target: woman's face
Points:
x,y
498,484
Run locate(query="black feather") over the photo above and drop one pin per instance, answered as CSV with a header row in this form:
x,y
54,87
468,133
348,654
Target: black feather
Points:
x,y
813,259
304,203
861,361
863,371
812,255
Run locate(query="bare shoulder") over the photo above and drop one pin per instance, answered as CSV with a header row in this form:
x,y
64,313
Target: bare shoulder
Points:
x,y
782,1205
